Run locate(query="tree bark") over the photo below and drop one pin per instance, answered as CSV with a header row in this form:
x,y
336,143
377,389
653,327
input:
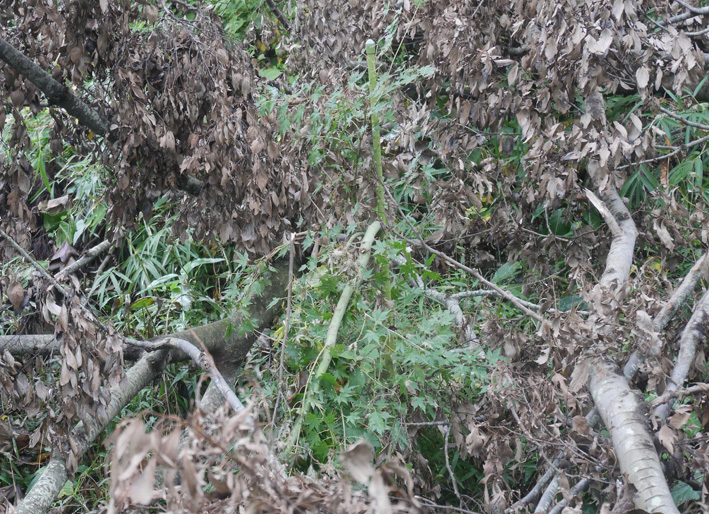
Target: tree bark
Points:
x,y
56,93
621,411
694,335
619,408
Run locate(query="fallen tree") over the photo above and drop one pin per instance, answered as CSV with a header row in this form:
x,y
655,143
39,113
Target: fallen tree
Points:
x,y
228,350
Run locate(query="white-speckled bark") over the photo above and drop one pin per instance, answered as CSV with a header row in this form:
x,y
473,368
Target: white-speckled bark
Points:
x,y
620,410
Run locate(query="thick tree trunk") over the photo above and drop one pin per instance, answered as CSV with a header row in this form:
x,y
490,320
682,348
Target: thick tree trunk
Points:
x,y
621,411
619,408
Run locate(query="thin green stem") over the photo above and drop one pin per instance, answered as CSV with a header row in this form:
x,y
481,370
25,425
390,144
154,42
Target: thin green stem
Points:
x,y
377,143
331,338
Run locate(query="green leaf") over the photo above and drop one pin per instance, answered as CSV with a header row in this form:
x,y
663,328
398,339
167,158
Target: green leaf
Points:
x,y
142,303
568,302
682,493
80,227
506,272
199,262
51,222
558,225
420,403
270,73
328,381
378,422
169,278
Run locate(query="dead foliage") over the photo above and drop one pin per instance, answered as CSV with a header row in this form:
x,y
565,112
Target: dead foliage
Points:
x,y
223,466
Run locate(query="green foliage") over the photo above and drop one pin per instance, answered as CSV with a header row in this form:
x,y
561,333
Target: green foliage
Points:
x,y
162,285
682,493
337,122
238,14
248,21
686,175
359,396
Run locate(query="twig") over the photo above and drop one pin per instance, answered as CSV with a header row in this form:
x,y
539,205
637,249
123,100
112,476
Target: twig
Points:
x,y
690,13
450,260
527,303
692,9
671,114
580,487
698,32
679,393
448,464
32,261
653,159
680,295
89,256
100,269
278,14
686,146
63,290
480,4
428,424
550,234
475,273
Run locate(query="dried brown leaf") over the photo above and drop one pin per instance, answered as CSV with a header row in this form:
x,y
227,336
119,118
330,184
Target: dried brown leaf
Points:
x,y
667,438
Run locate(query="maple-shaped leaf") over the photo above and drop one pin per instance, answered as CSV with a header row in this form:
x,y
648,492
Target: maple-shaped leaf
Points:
x,y
667,438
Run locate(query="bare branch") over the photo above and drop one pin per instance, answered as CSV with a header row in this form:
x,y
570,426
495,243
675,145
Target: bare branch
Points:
x,y
420,242
56,93
89,256
607,215
548,497
202,359
679,296
694,334
42,495
679,393
534,493
286,328
671,114
692,9
620,256
580,487
448,464
278,14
